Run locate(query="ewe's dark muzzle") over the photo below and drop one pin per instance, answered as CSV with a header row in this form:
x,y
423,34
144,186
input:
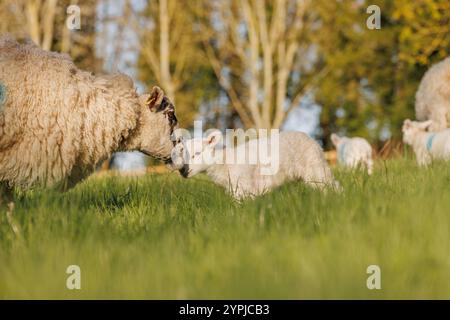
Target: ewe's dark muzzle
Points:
x,y
184,171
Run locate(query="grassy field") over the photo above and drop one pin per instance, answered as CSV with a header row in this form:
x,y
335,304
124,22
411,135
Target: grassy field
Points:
x,y
160,236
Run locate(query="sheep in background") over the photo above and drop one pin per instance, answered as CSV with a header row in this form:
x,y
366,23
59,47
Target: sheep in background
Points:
x,y
57,123
433,96
353,152
427,146
299,158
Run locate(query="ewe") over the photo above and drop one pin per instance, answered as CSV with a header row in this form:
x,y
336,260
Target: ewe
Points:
x,y
298,158
433,96
353,152
427,146
57,123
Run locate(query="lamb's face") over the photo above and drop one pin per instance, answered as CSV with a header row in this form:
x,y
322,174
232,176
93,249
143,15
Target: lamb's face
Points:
x,y
195,155
157,122
411,128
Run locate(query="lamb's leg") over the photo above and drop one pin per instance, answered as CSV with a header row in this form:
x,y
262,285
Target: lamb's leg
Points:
x,y
369,166
423,159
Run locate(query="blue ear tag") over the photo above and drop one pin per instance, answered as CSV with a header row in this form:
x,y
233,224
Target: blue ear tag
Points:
x,y
2,94
430,142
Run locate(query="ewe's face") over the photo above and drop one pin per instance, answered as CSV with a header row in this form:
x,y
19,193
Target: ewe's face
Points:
x,y
195,155
411,128
157,122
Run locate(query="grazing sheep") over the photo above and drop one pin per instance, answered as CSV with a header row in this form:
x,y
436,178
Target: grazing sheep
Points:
x,y
57,123
299,158
353,152
427,146
433,96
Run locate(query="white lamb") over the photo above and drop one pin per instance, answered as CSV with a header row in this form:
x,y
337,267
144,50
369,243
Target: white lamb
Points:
x,y
299,158
427,146
353,152
433,96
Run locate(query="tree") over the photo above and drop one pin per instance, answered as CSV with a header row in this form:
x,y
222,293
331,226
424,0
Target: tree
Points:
x,y
374,74
43,21
172,57
39,17
259,52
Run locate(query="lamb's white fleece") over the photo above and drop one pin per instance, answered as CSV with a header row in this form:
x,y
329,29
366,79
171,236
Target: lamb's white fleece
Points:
x,y
427,146
300,158
353,152
433,96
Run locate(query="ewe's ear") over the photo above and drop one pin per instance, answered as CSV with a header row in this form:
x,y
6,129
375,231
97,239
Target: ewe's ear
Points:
x,y
425,125
155,99
335,139
214,138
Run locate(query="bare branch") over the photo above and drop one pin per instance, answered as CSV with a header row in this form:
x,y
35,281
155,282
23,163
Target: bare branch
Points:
x,y
300,95
48,23
32,11
229,89
254,54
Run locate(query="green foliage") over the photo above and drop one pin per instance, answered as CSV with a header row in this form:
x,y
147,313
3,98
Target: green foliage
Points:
x,y
374,74
191,74
164,237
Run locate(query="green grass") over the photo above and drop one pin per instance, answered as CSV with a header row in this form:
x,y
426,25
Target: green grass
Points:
x,y
161,236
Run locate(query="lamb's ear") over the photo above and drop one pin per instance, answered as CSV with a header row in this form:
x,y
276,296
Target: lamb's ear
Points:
x,y
425,125
335,139
155,98
407,124
214,138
